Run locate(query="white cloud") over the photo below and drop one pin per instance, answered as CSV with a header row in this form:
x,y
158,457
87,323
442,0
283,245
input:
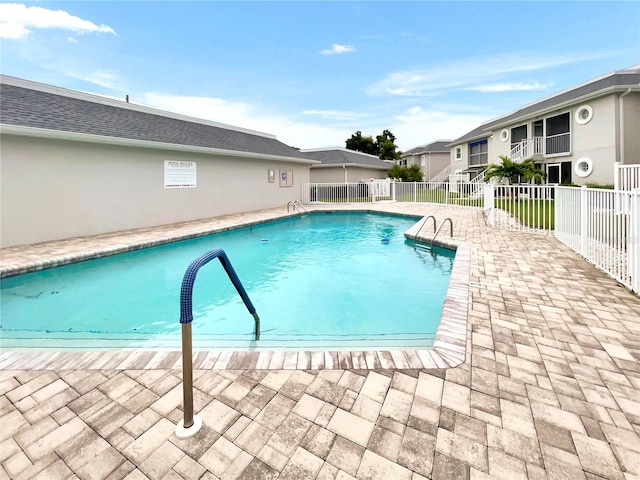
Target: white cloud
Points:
x,y
417,126
469,72
412,127
17,21
511,87
244,115
337,49
335,114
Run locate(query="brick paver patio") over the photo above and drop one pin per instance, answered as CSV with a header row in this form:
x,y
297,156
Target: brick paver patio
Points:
x,y
550,389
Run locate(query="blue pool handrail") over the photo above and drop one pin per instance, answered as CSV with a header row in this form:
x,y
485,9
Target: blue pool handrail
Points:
x,y
191,424
186,291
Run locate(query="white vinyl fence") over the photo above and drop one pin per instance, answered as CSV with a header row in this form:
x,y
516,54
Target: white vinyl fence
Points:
x,y
525,208
604,227
626,177
445,193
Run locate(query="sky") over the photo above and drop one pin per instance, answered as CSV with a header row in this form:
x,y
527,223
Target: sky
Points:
x,y
314,73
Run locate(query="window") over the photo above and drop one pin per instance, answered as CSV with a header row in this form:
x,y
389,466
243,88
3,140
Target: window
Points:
x,y
458,153
478,152
423,161
558,139
584,114
518,134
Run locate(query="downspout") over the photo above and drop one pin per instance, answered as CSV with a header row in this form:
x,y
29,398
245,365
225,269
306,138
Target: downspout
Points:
x,y
621,124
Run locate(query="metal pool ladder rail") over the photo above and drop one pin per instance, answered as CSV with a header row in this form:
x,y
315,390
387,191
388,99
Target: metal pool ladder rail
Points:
x,y
426,219
440,228
191,424
296,206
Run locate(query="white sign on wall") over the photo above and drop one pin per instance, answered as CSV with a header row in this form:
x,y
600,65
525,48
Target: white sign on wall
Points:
x,y
179,174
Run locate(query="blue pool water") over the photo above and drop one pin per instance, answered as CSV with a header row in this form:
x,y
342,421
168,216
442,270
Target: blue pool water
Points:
x,y
320,281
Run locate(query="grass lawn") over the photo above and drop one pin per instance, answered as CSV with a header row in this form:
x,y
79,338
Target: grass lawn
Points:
x,y
531,212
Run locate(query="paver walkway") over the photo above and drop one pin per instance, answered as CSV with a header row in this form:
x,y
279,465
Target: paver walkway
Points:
x,y
550,389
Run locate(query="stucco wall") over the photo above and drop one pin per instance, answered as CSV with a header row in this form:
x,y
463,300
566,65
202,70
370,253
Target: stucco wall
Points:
x,y
595,140
459,164
55,189
436,162
337,174
631,123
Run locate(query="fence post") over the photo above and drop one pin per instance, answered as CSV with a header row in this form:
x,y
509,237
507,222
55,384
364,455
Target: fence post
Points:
x,y
584,220
616,175
489,195
634,241
393,191
415,192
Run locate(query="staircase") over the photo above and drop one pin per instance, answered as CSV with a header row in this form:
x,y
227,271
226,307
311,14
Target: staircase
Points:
x,y
527,149
441,176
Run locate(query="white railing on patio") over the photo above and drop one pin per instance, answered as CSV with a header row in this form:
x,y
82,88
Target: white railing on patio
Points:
x,y
444,193
626,177
604,227
524,208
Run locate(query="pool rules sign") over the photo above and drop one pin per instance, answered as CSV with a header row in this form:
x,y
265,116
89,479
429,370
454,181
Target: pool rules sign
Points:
x,y
179,174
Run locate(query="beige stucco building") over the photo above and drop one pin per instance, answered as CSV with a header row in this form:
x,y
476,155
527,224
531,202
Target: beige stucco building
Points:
x,y
340,165
75,164
575,136
433,159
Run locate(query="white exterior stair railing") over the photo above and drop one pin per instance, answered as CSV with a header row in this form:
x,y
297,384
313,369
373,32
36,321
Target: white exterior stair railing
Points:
x,y
527,149
442,175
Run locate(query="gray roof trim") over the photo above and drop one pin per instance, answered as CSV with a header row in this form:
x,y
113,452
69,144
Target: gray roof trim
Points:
x,y
104,100
6,129
44,108
344,156
350,165
558,106
437,146
613,82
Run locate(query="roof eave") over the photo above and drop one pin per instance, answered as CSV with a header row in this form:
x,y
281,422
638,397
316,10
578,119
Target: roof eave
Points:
x,y
558,106
19,130
354,165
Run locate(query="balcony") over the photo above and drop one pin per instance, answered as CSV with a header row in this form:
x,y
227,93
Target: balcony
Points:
x,y
558,144
541,146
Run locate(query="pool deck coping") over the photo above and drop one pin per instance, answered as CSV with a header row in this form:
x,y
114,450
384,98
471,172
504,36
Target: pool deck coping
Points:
x,y
448,349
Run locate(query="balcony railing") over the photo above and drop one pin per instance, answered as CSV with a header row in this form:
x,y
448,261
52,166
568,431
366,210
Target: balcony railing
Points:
x,y
560,143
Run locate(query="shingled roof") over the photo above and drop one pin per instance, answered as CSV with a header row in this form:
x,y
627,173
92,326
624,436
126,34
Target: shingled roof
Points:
x,y
343,156
433,147
29,104
618,80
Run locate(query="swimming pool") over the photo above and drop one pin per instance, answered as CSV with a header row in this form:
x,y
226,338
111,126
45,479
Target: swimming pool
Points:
x,y
318,282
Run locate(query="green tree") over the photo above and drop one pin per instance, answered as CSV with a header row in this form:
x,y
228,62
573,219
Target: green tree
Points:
x,y
514,171
383,147
524,171
414,174
397,172
362,144
387,148
406,174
